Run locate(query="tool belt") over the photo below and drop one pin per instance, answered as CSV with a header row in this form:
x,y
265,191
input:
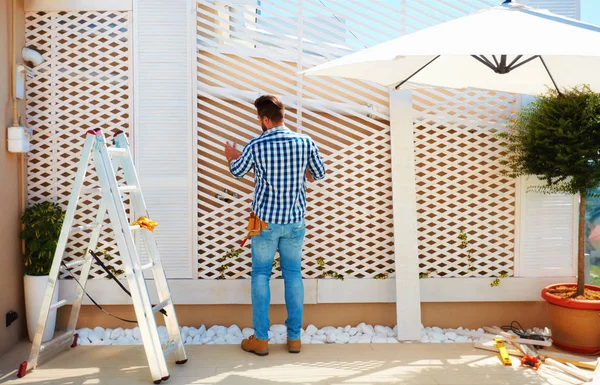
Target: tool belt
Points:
x,y
255,226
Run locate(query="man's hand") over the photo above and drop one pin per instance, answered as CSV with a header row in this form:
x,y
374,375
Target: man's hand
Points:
x,y
231,152
309,176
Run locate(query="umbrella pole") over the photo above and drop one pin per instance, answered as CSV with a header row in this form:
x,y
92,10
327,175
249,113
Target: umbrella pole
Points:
x,y
550,74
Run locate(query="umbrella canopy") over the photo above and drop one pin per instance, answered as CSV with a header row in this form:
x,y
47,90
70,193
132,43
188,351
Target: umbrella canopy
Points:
x,y
511,48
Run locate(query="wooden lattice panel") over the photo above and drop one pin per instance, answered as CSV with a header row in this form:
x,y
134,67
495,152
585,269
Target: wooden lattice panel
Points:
x,y
349,221
83,84
460,184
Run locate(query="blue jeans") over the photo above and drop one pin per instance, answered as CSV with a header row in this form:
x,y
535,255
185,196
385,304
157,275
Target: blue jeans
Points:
x,y
289,239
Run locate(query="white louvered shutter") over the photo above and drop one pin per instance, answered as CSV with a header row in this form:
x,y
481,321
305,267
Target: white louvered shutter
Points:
x,y
568,8
548,233
164,131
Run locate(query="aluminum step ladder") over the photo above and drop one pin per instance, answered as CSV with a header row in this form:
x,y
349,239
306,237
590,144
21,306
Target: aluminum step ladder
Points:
x,y
107,161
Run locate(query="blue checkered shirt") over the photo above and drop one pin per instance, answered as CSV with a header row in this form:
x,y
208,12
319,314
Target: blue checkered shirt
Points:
x,y
280,159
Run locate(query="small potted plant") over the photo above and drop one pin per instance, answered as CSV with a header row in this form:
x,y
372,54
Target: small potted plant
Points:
x,y
557,138
42,225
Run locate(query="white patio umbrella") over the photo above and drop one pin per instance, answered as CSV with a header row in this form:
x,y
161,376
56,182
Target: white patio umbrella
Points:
x,y
511,48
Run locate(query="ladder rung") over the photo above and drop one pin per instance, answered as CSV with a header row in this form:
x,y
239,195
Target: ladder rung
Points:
x,y
134,227
115,151
147,266
91,190
98,190
129,189
161,305
92,226
75,263
55,341
62,302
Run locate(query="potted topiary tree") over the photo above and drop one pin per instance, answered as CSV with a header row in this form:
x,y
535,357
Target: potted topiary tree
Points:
x,y
557,139
42,225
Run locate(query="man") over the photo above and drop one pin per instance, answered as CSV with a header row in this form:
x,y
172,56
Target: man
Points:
x,y
282,161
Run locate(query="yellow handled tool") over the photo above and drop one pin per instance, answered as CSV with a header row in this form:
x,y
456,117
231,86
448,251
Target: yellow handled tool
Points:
x,y
504,357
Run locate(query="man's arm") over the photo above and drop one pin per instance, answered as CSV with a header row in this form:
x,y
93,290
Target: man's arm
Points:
x,y
316,168
240,163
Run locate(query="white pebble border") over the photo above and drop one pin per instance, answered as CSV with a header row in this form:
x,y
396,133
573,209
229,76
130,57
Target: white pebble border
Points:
x,y
222,335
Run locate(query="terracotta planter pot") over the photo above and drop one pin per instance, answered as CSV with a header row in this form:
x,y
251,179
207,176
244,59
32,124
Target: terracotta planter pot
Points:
x,y
575,323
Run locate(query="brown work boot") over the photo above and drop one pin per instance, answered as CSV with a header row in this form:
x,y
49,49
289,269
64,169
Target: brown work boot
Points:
x,y
256,346
294,346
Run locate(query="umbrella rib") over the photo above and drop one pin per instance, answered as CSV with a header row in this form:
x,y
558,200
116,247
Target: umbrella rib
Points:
x,y
524,62
549,74
485,61
514,61
416,72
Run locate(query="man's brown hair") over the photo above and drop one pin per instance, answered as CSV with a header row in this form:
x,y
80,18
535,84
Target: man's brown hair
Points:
x,y
271,107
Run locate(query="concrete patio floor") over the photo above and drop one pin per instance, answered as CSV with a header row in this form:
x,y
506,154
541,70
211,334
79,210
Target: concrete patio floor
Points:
x,y
356,364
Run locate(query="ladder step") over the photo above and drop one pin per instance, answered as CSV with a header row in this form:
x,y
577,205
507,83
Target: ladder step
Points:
x,y
91,226
134,227
148,266
98,190
115,151
161,305
62,302
56,341
75,263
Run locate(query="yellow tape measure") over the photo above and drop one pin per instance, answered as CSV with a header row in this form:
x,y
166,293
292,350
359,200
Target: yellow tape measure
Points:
x,y
504,357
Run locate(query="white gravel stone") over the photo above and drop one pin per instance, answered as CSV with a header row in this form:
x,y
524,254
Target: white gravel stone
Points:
x,y
185,330
270,335
437,330
425,339
193,332
331,336
247,332
220,340
107,334
205,340
162,330
353,332
116,334
84,333
137,334
380,330
368,330
99,331
197,339
379,339
234,330
347,328
306,339
343,338
365,339
233,339
354,339
435,336
319,337
316,342
451,336
281,338
279,329
392,340
94,337
462,339
390,331
189,340
202,330
311,330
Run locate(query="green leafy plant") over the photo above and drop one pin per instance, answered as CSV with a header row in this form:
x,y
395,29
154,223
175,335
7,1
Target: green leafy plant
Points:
x,y
42,225
328,273
231,254
107,258
496,281
464,243
557,139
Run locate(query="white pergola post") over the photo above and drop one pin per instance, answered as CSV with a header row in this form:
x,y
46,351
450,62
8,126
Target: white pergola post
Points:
x,y
408,292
